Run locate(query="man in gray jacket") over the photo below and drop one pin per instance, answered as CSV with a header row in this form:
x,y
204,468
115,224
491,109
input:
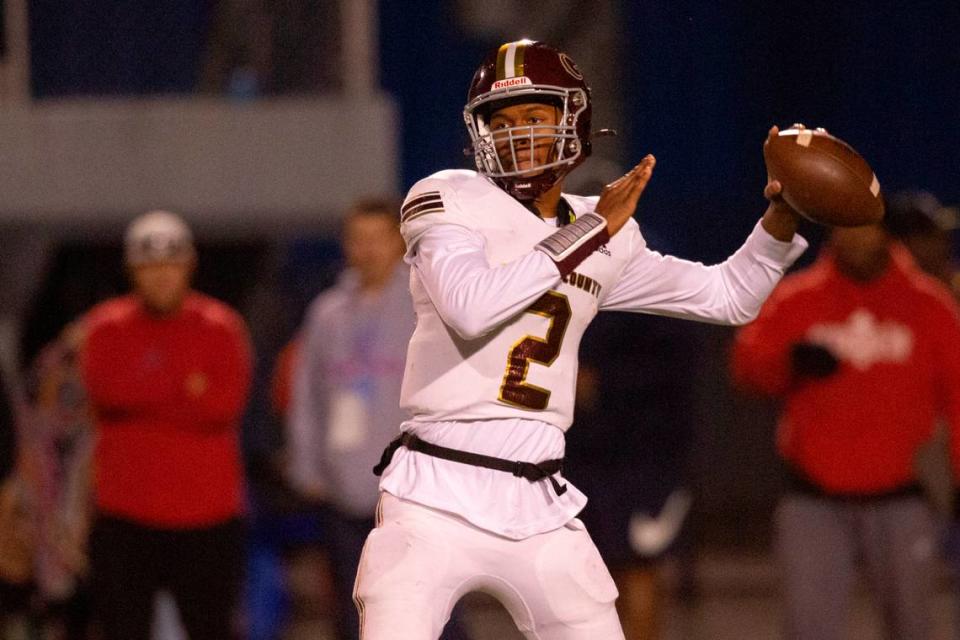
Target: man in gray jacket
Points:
x,y
345,398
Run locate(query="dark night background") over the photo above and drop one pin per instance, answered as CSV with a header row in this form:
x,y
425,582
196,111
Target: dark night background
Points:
x,y
699,84
702,82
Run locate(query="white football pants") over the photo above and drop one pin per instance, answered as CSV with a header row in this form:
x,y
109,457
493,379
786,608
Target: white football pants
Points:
x,y
419,561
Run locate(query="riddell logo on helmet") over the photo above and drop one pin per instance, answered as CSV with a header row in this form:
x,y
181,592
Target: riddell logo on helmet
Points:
x,y
519,81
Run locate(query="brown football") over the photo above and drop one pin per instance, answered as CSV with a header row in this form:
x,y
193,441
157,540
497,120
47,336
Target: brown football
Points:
x,y
823,178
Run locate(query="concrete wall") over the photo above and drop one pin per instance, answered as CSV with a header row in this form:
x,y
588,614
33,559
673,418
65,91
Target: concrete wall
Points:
x,y
238,165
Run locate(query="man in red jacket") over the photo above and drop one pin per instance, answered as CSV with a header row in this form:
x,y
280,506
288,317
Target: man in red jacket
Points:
x,y
167,370
863,350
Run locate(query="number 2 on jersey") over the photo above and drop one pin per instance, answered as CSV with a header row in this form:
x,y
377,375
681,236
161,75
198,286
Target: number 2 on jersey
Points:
x,y
515,390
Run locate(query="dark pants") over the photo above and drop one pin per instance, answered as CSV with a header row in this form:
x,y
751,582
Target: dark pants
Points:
x,y
15,598
821,542
71,616
200,568
345,539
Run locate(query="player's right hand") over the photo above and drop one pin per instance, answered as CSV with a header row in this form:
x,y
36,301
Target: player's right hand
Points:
x,y
618,200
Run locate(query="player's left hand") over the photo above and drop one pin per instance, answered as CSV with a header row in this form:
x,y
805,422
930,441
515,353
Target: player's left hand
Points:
x,y
618,200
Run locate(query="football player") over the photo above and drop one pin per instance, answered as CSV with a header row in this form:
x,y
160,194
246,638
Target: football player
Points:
x,y
507,272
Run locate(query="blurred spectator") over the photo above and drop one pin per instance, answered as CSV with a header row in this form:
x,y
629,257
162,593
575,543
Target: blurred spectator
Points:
x,y
56,455
862,348
345,399
287,566
925,227
629,452
8,460
16,532
167,371
281,383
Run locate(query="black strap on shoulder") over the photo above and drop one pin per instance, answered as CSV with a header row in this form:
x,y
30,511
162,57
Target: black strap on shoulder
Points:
x,y
529,470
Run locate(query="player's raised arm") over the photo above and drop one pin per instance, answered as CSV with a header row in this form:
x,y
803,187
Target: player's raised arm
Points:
x,y
472,296
728,293
731,292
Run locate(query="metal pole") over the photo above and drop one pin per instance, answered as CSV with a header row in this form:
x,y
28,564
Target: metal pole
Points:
x,y
15,64
360,47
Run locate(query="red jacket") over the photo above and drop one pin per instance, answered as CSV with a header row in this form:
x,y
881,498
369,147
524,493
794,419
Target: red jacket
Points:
x,y
898,341
167,396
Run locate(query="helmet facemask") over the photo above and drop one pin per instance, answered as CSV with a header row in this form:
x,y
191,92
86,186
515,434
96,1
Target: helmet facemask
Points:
x,y
567,150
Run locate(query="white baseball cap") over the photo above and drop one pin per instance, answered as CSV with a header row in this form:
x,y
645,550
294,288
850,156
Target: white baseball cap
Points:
x,y
158,236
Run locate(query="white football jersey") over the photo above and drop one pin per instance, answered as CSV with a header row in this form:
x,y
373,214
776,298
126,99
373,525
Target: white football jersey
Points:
x,y
526,366
492,364
497,335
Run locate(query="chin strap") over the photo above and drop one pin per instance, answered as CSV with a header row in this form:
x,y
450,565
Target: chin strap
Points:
x,y
529,189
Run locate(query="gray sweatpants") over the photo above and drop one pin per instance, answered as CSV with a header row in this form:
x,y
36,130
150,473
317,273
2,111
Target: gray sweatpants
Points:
x,y
820,542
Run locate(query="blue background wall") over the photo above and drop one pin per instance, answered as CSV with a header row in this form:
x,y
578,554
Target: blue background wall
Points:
x,y
707,79
703,81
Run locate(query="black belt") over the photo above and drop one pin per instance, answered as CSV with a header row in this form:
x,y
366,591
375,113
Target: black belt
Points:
x,y
529,470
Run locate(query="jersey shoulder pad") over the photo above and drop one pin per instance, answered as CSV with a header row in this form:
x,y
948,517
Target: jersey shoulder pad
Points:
x,y
629,238
437,194
435,200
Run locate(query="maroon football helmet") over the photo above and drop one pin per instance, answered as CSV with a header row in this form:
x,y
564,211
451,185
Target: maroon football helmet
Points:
x,y
521,72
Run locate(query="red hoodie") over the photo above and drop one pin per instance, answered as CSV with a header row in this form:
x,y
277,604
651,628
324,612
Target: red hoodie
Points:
x,y
167,396
898,342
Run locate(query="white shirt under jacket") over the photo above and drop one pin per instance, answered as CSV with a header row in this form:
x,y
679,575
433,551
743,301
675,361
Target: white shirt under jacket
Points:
x,y
484,296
